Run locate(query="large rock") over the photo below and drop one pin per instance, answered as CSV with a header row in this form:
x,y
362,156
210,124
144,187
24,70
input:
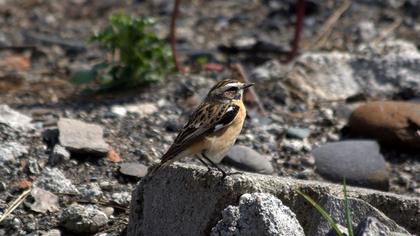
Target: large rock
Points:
x,y
83,219
381,69
371,226
81,137
393,123
188,200
258,214
14,119
359,209
358,161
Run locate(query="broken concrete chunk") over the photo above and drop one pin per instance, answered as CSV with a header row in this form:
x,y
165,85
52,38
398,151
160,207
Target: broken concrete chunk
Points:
x,y
80,137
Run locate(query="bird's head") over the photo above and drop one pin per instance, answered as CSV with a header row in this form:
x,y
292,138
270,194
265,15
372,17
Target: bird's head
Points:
x,y
227,90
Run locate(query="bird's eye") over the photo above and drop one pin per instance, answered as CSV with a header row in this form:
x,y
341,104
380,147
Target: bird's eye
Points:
x,y
232,89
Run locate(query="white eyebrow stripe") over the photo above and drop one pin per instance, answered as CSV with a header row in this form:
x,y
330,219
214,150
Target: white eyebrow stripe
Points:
x,y
232,85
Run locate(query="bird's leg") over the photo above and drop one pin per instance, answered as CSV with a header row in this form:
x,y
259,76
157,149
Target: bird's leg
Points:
x,y
204,163
215,165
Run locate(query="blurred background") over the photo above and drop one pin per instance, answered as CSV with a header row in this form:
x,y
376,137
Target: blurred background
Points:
x,y
336,95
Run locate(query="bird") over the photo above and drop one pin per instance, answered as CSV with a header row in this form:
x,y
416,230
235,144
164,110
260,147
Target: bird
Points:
x,y
212,128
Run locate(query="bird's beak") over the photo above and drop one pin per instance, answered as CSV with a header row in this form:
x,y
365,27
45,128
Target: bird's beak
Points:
x,y
247,85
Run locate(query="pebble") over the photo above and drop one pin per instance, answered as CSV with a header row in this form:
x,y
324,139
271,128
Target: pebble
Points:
x,y
59,155
359,161
34,167
308,160
122,198
119,110
295,145
142,109
90,191
272,69
248,159
365,31
44,201
108,211
83,218
52,179
15,119
113,156
297,132
80,137
389,122
133,169
9,151
53,232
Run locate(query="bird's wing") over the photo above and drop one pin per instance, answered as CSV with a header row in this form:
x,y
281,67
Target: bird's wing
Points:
x,y
207,119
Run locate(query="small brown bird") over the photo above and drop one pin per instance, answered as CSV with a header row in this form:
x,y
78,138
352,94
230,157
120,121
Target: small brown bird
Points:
x,y
212,128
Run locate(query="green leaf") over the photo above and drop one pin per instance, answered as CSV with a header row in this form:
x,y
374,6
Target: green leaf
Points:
x,y
83,76
322,212
347,210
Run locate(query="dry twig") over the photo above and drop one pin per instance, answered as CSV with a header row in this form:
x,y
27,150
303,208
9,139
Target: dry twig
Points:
x,y
15,204
325,30
386,32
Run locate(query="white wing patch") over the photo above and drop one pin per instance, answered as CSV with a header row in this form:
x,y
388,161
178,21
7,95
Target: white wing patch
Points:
x,y
218,127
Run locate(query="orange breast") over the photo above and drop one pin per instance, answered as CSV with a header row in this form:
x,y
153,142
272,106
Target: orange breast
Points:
x,y
216,146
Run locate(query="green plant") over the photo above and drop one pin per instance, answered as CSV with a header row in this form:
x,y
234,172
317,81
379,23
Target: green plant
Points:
x,y
325,215
139,57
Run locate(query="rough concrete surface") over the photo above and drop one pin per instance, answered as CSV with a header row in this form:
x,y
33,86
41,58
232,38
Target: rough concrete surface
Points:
x,y
188,200
258,214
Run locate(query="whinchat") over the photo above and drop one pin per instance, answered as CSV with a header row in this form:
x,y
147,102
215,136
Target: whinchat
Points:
x,y
212,128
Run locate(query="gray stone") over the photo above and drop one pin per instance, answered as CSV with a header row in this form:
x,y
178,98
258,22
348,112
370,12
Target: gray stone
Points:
x,y
59,155
359,211
91,191
324,75
299,133
83,218
53,232
11,150
248,159
44,201
366,31
52,179
188,200
359,161
119,110
80,137
341,228
33,166
133,169
269,70
296,145
371,226
258,214
381,69
15,119
121,198
142,109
